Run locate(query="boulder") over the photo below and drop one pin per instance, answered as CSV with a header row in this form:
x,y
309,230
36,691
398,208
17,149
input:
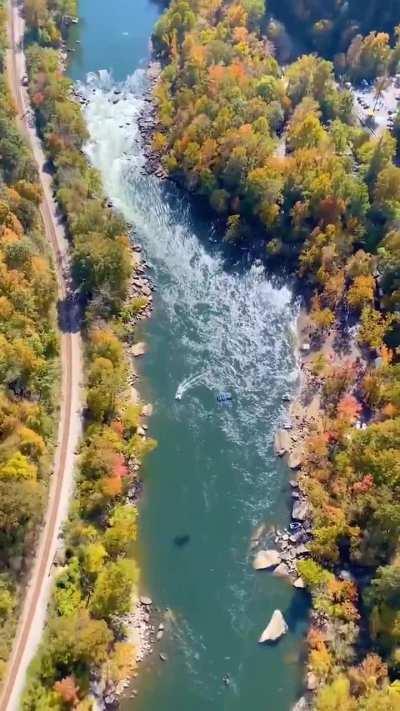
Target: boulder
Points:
x,y
138,349
282,442
257,533
147,410
299,583
146,601
295,459
300,510
282,570
266,559
301,705
301,549
134,396
275,629
311,681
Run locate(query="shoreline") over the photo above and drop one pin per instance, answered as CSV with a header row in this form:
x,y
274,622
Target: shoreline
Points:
x,y
306,414
140,626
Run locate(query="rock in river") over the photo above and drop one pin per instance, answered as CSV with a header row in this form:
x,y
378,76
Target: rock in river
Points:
x,y
311,681
138,349
299,583
266,559
282,442
302,705
275,629
295,459
146,601
147,410
300,510
282,570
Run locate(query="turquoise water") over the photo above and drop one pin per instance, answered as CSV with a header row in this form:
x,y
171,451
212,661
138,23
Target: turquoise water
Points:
x,y
213,478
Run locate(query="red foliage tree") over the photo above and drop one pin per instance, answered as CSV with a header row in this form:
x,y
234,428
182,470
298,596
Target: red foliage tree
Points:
x,y
68,690
348,407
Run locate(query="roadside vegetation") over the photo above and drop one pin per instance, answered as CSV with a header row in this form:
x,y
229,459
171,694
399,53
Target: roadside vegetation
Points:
x,y
97,582
28,362
281,158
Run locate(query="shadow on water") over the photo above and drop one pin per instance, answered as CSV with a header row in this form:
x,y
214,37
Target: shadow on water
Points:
x,y
181,540
297,613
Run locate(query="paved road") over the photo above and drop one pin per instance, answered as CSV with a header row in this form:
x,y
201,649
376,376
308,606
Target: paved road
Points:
x,y
33,614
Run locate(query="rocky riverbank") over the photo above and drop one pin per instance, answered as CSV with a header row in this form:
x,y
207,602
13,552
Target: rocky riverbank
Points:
x,y
145,628
139,627
148,123
291,544
279,551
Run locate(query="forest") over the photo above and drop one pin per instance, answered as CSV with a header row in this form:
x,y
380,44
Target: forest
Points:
x,y
279,156
29,365
97,579
329,27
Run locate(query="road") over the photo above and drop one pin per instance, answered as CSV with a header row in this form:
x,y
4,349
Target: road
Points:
x,y
32,618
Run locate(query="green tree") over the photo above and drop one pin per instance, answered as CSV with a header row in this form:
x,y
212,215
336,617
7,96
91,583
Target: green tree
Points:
x,y
114,588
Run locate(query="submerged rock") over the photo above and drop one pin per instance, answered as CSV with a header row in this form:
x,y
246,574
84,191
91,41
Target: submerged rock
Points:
x,y
275,629
282,442
266,559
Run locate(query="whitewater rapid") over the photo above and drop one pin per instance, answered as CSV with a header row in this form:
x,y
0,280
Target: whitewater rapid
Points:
x,y
238,327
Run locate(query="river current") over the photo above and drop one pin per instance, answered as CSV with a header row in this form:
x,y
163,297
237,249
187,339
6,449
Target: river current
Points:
x,y
213,478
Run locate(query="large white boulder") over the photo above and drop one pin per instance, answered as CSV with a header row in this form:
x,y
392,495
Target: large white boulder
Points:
x,y
301,510
138,349
275,629
266,559
295,459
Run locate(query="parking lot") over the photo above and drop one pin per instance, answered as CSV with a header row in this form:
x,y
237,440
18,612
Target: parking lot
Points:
x,y
379,112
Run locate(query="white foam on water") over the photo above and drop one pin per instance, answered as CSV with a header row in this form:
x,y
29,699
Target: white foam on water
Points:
x,y
188,383
239,325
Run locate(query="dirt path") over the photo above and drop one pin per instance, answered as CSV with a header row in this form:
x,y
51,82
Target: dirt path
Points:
x,y
33,614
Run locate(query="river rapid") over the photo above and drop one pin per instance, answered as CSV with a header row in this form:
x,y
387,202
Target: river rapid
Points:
x,y
214,477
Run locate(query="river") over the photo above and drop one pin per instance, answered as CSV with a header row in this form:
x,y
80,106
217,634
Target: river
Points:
x,y
214,477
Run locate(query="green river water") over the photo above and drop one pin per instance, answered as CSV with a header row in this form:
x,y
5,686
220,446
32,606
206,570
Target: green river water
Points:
x,y
214,477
